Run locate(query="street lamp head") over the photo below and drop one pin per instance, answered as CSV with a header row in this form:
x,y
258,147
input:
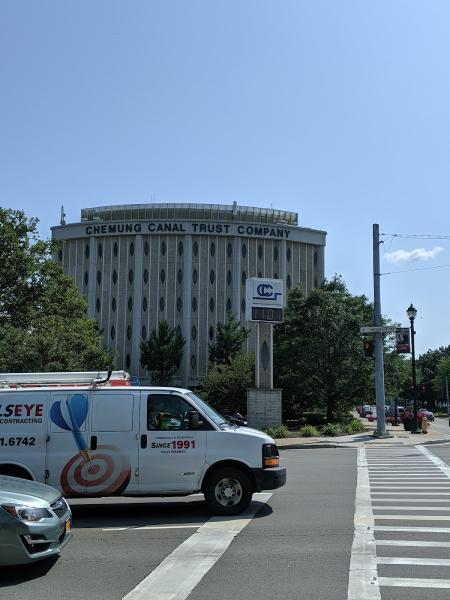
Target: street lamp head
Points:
x,y
411,312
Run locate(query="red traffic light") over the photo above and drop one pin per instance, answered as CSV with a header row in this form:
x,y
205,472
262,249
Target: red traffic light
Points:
x,y
368,348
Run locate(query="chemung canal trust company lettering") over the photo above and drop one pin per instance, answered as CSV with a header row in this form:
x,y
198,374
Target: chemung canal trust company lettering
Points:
x,y
188,228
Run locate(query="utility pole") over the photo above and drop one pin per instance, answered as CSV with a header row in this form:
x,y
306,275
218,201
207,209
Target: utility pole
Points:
x,y
378,337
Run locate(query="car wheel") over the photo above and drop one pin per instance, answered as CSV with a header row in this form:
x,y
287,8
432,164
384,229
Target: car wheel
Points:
x,y
228,491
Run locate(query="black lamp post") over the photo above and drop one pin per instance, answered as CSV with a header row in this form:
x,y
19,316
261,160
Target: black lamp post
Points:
x,y
412,312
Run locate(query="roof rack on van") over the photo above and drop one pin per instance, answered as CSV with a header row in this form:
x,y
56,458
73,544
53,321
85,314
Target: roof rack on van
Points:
x,y
64,378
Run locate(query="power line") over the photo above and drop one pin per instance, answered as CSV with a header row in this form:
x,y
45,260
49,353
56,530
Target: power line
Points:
x,y
420,236
420,269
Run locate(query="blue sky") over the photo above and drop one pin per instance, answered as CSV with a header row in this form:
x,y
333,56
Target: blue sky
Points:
x,y
338,110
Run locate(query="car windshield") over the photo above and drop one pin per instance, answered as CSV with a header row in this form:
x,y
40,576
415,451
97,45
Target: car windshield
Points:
x,y
208,410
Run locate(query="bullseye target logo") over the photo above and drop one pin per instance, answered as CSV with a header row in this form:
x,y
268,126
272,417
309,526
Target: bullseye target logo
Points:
x,y
108,473
105,471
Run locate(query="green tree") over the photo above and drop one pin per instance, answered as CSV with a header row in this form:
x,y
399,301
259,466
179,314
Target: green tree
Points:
x,y
318,358
43,322
225,386
428,365
161,354
442,377
229,342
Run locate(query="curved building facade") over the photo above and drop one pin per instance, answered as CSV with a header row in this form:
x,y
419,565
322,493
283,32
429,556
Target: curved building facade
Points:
x,y
186,263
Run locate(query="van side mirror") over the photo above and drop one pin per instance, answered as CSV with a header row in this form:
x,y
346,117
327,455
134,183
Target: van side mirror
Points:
x,y
194,419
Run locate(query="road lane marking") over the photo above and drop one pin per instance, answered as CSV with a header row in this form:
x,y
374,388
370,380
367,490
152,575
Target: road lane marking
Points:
x,y
363,574
411,493
395,528
417,561
180,572
414,583
139,527
403,500
389,507
413,517
417,543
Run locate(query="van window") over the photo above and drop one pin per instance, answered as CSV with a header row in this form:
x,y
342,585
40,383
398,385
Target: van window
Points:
x,y
170,412
112,412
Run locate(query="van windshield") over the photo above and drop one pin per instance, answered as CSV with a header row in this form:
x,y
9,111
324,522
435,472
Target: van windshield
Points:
x,y
208,410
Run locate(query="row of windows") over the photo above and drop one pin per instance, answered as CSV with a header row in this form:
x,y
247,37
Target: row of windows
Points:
x,y
212,250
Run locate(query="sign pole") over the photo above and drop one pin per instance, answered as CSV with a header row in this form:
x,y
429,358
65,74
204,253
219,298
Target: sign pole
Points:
x,y
378,338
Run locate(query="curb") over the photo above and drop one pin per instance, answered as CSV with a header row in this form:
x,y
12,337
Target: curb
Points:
x,y
300,446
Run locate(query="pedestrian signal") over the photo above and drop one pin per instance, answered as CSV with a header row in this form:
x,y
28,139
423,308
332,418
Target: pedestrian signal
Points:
x,y
368,348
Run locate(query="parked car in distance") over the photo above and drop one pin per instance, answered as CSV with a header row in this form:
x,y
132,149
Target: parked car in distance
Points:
x,y
366,410
428,413
35,521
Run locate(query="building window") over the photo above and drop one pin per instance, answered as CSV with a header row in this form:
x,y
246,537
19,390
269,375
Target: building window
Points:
x,y
288,254
144,332
260,252
180,248
87,251
229,250
315,282
130,303
60,255
275,253
275,275
195,248
212,276
315,259
113,332
128,361
211,333
259,274
163,248
244,250
145,276
195,276
100,250
288,282
179,304
146,248
129,332
131,276
116,249
86,278
131,249
193,362
162,276
161,304
243,305
180,275
98,305
229,305
194,332
243,277
99,277
229,277
144,304
194,303
178,330
113,305
212,248
211,304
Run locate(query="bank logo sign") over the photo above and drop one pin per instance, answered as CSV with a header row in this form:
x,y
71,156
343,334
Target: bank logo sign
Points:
x,y
264,299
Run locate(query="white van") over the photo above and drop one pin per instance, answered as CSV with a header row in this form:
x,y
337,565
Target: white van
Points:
x,y
89,434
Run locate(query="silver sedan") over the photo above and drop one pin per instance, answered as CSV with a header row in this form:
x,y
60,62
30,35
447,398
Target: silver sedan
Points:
x,y
35,521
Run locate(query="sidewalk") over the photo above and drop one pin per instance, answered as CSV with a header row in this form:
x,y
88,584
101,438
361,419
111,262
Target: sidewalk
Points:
x,y
397,437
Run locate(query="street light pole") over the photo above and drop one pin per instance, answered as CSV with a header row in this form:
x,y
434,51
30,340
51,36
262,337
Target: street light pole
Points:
x,y
412,312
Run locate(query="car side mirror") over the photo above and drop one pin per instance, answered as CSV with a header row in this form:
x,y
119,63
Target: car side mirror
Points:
x,y
194,419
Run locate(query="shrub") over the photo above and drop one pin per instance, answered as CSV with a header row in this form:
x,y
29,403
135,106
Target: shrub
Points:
x,y
331,429
309,431
314,418
355,425
277,432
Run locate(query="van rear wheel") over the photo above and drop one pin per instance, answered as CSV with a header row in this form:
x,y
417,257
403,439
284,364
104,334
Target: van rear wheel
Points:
x,y
228,491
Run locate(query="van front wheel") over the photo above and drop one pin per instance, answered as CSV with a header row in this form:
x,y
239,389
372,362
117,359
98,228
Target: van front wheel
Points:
x,y
228,491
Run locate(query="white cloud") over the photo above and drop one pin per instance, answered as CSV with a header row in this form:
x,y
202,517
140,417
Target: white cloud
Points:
x,y
417,254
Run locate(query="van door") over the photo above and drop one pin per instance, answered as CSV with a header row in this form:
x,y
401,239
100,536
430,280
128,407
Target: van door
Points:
x,y
171,454
67,446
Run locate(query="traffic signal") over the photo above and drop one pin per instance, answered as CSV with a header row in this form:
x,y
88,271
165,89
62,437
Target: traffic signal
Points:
x,y
368,348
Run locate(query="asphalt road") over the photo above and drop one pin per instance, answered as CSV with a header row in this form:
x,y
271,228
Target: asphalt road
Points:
x,y
297,545
294,543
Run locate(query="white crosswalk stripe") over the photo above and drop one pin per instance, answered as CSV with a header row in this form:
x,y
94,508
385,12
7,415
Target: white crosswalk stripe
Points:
x,y
409,496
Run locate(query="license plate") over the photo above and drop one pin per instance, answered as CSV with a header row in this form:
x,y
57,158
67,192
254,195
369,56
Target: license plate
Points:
x,y
68,525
